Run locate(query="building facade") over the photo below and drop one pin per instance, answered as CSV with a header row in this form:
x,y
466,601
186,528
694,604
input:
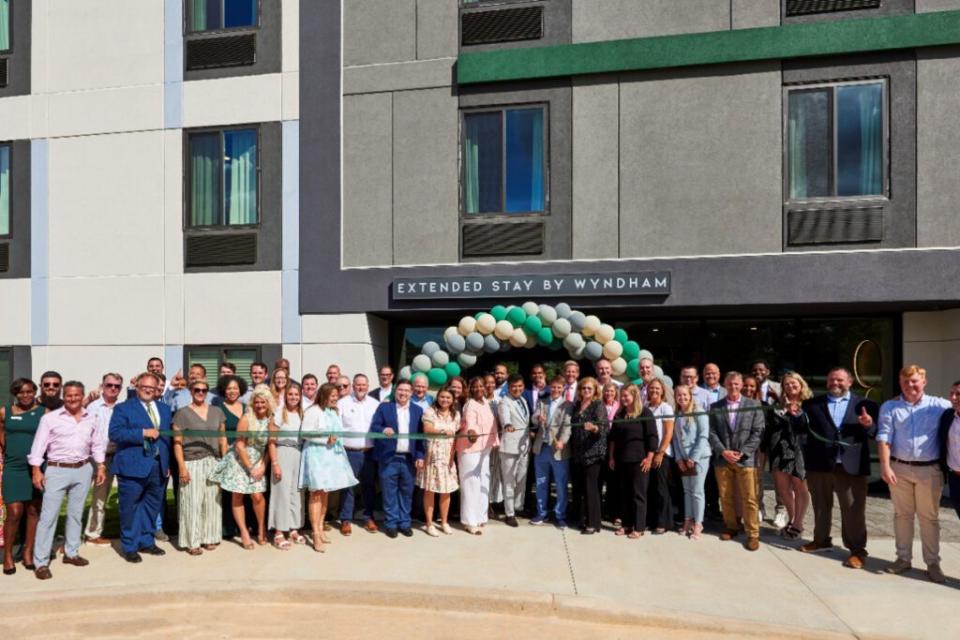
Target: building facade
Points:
x,y
340,181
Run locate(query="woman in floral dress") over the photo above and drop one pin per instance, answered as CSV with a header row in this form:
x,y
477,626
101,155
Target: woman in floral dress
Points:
x,y
439,472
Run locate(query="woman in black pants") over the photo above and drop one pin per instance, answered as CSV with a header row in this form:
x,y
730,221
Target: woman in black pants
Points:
x,y
661,515
633,443
589,441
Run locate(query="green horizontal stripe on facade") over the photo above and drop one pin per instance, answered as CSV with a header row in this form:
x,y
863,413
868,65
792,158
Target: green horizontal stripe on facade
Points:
x,y
715,47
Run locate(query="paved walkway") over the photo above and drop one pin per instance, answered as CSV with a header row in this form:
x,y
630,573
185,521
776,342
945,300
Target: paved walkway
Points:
x,y
565,581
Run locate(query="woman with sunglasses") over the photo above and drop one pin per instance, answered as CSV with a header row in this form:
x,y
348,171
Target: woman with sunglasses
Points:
x,y
589,442
200,512
18,425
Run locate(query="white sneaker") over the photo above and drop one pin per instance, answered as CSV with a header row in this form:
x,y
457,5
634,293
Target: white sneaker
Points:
x,y
781,519
431,531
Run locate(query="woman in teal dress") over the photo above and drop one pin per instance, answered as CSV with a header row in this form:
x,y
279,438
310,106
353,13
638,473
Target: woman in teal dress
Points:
x,y
18,425
324,466
229,391
243,471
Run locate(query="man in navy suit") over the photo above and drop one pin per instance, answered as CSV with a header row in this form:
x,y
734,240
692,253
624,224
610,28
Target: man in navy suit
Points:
x,y
141,464
397,457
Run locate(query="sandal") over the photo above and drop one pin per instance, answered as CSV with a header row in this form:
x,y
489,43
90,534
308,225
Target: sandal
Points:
x,y
318,545
195,552
791,532
697,532
210,547
248,546
633,535
280,542
296,538
620,532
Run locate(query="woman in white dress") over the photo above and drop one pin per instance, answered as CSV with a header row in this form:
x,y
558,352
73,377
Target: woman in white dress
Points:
x,y
286,498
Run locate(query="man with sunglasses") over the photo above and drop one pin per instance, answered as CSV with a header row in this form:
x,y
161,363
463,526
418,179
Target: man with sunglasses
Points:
x,y
142,465
50,384
343,387
101,410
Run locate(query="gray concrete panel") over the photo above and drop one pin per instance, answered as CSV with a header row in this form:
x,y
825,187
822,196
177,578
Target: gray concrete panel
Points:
x,y
425,177
614,19
596,185
438,28
700,169
754,13
923,6
377,31
400,76
938,139
367,180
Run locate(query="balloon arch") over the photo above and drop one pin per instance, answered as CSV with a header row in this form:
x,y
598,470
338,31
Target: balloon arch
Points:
x,y
528,326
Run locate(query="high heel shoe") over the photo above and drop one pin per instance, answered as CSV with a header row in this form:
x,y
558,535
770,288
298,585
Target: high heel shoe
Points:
x,y
318,544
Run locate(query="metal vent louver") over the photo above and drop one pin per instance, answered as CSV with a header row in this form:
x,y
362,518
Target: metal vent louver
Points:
x,y
221,249
502,239
4,257
806,7
3,72
501,25
221,51
834,226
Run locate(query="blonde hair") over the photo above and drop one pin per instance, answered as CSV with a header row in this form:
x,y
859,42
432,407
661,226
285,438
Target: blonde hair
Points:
x,y
636,407
913,370
805,393
610,385
676,403
593,383
284,412
260,391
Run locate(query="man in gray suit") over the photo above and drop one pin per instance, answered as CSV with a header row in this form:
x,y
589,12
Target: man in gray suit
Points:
x,y
736,428
514,417
551,426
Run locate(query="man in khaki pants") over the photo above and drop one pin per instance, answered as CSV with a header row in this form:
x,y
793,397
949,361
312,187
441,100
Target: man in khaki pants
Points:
x,y
909,463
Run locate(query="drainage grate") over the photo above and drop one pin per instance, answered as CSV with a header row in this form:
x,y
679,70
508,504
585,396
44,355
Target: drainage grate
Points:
x,y
501,25
834,226
806,7
502,239
221,249
221,51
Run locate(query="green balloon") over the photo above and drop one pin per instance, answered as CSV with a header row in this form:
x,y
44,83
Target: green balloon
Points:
x,y
532,325
499,312
556,344
638,382
620,336
545,337
633,368
631,351
516,316
452,369
437,376
477,315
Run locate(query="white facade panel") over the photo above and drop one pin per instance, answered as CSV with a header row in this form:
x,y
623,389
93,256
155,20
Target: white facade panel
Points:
x,y
16,118
124,310
105,111
352,358
227,101
290,46
14,312
88,363
342,328
225,308
291,96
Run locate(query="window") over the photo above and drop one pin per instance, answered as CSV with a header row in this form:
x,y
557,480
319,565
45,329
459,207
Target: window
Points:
x,y
4,26
4,191
223,174
216,15
211,357
504,166
836,140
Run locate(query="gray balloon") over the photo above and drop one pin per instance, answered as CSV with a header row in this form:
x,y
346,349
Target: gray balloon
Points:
x,y
430,348
474,342
593,351
467,360
563,310
644,354
491,344
577,320
440,358
456,344
405,373
667,380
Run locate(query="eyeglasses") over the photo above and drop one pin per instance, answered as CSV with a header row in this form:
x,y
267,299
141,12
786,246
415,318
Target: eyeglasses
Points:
x,y
111,385
51,385
343,386
200,390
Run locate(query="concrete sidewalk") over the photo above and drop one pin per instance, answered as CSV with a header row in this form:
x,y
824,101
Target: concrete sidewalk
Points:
x,y
659,581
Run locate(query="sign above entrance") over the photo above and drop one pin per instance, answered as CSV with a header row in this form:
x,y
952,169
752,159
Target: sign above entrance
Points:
x,y
655,283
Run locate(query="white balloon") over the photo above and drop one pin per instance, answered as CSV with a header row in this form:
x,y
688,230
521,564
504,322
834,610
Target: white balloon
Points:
x,y
503,330
667,380
467,360
573,341
563,310
561,328
547,315
421,363
590,325
450,332
531,308
475,342
405,373
531,341
604,334
467,325
429,348
440,358
612,350
518,338
486,324
645,355
657,371
619,366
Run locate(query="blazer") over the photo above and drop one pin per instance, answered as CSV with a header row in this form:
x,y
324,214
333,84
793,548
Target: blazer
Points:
x,y
127,423
375,394
943,433
386,416
822,456
692,444
556,430
514,413
745,439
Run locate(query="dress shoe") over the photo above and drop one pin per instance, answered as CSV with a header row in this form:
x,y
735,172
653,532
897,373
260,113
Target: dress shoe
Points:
x,y
537,521
728,534
161,535
370,526
9,572
133,556
43,573
407,532
29,566
98,540
935,574
346,528
511,521
391,533
814,547
752,544
154,551
898,567
854,562
76,561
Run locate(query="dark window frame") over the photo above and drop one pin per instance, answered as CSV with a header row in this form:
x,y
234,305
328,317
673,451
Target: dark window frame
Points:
x,y
502,110
222,354
4,53
188,21
17,56
885,191
8,145
188,179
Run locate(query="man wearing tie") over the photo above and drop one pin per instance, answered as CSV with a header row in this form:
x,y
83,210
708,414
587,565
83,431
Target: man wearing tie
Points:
x,y
397,456
571,373
514,417
551,453
141,464
837,457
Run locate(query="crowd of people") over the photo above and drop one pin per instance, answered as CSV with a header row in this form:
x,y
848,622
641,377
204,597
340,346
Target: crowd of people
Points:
x,y
248,461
